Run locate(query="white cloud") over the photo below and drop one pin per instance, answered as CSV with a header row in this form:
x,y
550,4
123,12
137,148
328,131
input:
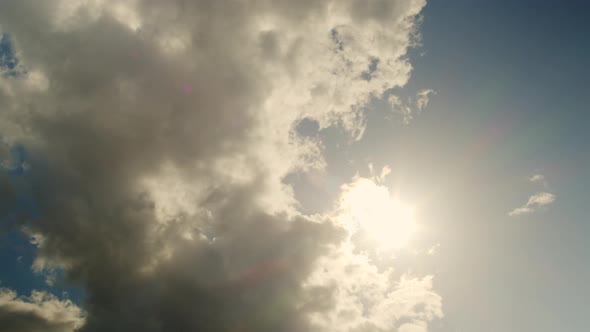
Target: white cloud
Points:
x,y
40,312
534,202
537,178
368,296
541,199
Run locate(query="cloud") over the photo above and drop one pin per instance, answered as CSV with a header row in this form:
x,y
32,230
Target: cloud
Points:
x,y
362,291
158,135
535,202
413,106
363,297
537,178
414,327
423,98
40,312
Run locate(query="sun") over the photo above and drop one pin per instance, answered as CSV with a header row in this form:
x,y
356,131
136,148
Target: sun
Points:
x,y
370,209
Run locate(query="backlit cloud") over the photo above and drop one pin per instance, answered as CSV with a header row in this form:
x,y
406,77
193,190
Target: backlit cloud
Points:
x,y
158,135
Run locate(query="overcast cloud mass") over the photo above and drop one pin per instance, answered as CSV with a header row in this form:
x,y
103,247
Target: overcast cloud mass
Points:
x,y
155,138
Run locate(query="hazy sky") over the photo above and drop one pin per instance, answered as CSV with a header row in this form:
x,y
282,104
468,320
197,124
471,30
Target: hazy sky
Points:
x,y
294,166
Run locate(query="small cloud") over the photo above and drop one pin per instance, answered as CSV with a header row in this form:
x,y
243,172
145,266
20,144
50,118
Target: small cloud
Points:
x,y
535,201
541,199
423,97
537,178
412,106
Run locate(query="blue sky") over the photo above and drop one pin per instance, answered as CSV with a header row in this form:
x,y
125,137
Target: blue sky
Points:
x,y
509,102
514,75
17,253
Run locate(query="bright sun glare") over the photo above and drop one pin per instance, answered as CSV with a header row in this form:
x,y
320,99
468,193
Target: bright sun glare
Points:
x,y
370,209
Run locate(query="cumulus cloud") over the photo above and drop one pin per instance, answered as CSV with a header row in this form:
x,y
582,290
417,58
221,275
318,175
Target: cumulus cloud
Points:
x,y
361,296
40,312
158,134
535,202
361,291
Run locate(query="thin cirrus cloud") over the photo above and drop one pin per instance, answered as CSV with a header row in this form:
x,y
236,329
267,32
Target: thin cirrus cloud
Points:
x,y
413,106
158,135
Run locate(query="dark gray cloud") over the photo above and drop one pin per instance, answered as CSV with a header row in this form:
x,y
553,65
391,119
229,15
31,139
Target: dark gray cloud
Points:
x,y
158,134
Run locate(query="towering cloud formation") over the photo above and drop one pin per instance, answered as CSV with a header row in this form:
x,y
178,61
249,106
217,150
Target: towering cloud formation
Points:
x,y
158,134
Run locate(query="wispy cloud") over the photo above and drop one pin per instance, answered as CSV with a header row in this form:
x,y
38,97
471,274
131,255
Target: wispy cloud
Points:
x,y
423,98
535,201
538,178
412,106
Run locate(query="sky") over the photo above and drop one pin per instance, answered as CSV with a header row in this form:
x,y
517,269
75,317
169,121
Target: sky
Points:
x,y
352,165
